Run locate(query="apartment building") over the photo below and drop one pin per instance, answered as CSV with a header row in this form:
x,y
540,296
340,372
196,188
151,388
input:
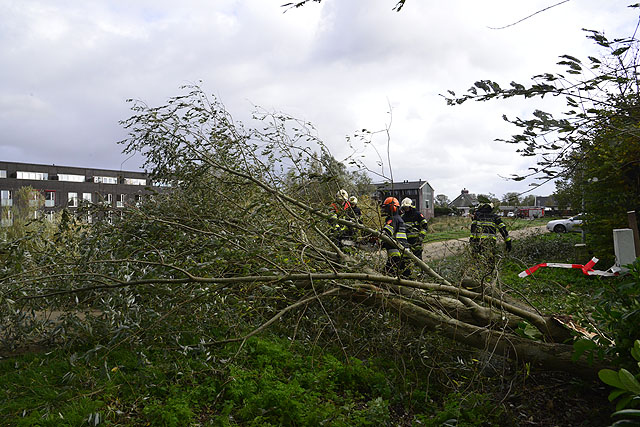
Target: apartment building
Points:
x,y
66,187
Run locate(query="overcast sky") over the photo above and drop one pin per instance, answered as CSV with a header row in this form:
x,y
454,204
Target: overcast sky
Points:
x,y
67,67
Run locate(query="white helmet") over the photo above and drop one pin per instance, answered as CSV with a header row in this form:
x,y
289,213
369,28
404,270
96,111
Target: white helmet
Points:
x,y
406,203
342,195
353,200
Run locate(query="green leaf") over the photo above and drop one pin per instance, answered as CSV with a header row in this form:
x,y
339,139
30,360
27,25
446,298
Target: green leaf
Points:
x,y
629,381
619,51
616,394
623,402
611,378
580,346
571,58
632,412
624,423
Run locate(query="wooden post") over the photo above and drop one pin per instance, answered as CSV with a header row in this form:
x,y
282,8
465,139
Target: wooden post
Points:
x,y
633,224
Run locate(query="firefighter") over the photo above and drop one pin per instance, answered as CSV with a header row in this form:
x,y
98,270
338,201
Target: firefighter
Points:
x,y
341,204
352,213
355,213
394,227
339,210
416,225
484,229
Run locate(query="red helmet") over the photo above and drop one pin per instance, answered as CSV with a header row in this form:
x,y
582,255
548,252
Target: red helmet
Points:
x,y
391,203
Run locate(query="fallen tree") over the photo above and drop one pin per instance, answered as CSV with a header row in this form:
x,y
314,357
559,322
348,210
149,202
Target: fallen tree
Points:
x,y
235,234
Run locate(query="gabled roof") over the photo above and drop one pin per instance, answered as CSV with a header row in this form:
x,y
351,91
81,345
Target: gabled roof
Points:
x,y
465,199
404,185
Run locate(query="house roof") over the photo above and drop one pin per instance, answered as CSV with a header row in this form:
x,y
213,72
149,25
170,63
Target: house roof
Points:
x,y
465,199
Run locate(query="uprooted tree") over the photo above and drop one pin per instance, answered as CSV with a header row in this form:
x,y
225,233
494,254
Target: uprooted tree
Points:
x,y
229,237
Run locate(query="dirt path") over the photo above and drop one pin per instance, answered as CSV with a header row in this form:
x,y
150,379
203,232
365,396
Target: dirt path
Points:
x,y
437,250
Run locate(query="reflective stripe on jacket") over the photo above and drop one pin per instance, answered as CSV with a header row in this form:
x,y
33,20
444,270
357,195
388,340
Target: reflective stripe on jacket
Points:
x,y
486,225
394,227
416,225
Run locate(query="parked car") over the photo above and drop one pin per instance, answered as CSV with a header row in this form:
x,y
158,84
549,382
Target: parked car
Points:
x,y
565,225
511,214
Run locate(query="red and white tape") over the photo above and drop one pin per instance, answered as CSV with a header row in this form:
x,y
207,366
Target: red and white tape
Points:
x,y
586,268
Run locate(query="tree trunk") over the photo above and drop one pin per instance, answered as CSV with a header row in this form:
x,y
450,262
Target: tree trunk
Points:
x,y
478,327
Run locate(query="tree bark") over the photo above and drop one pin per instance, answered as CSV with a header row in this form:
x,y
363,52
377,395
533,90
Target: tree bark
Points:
x,y
480,328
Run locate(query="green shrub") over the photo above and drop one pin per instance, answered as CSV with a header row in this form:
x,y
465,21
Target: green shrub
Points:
x,y
277,386
546,248
473,409
617,311
173,412
374,413
626,387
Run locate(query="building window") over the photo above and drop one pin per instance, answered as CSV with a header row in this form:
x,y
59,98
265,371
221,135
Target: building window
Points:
x,y
71,178
7,218
49,199
107,199
38,176
105,179
86,197
49,216
72,200
3,174
135,181
34,198
426,204
120,201
5,198
138,199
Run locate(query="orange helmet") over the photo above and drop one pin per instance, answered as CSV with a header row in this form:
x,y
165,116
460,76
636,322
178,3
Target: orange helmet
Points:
x,y
391,203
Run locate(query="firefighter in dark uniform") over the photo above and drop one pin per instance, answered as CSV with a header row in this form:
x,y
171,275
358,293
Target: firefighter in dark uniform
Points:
x,y
394,227
484,229
339,210
416,225
355,213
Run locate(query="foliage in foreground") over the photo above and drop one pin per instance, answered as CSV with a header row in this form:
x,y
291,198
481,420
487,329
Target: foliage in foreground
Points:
x,y
592,148
267,383
389,374
626,385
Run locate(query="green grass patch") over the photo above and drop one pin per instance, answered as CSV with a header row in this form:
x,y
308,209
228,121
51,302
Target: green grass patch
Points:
x,y
268,383
448,228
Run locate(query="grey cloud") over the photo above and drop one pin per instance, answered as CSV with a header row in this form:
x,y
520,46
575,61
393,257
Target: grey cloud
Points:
x,y
67,69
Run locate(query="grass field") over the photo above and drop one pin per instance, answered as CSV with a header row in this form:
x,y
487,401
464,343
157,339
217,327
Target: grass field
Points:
x,y
455,227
